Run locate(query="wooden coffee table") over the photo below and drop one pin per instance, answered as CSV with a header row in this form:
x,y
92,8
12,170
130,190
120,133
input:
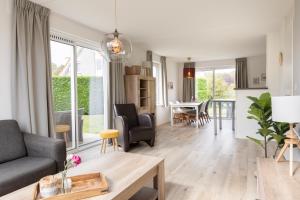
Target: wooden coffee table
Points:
x,y
126,173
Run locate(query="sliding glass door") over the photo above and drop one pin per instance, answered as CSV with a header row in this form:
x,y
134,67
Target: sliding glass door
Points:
x,y
78,93
218,83
90,94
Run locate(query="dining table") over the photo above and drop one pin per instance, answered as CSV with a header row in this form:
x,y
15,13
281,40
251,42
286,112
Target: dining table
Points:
x,y
194,105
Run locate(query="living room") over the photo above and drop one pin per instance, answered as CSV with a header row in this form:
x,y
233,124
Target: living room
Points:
x,y
149,99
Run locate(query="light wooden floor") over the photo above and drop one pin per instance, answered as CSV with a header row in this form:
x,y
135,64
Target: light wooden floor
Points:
x,y
200,165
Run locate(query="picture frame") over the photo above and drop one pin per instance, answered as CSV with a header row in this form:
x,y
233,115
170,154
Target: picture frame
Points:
x,y
170,85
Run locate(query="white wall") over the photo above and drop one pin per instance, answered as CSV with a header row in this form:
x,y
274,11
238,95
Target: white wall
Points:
x,y
243,126
74,29
280,78
256,65
138,56
296,49
5,58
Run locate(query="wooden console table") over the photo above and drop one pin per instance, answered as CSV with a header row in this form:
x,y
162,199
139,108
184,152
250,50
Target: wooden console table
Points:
x,y
274,182
127,174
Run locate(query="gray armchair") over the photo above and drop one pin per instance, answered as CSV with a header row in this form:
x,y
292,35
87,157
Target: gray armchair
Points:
x,y
26,158
132,127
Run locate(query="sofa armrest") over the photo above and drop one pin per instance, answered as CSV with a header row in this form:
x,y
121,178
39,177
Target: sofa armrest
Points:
x,y
38,146
121,124
147,120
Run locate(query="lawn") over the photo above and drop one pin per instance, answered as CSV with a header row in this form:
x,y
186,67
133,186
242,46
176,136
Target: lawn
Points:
x,y
92,123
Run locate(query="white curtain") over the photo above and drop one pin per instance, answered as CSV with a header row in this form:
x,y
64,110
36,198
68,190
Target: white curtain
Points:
x,y
31,70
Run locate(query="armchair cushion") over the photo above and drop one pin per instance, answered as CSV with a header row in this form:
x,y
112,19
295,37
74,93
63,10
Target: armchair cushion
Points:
x,y
129,111
12,144
38,146
147,120
24,171
140,133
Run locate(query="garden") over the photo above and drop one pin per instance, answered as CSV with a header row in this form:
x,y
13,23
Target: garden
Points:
x,y
89,99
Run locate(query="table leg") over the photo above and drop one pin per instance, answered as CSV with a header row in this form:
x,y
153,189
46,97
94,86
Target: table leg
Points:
x,y
291,159
197,116
215,118
233,116
220,115
171,119
159,181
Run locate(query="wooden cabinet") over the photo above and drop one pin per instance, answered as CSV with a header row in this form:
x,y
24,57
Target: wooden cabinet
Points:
x,y
140,90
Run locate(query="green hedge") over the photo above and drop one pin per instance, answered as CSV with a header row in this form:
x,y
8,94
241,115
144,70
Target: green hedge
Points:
x,y
203,92
89,91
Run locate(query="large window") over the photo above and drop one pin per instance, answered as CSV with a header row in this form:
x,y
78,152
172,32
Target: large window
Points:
x,y
78,91
217,84
157,76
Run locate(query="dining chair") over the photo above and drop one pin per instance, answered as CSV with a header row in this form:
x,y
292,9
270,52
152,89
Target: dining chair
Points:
x,y
192,115
204,111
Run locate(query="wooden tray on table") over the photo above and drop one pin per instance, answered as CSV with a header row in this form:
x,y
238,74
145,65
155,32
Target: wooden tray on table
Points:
x,y
83,186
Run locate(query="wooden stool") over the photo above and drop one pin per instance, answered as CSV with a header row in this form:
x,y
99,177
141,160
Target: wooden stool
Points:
x,y
109,134
64,129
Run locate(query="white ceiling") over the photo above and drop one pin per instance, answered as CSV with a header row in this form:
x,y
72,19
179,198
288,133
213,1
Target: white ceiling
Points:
x,y
202,29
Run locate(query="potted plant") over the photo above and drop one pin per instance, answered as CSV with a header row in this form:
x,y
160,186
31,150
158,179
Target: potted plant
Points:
x,y
260,110
279,134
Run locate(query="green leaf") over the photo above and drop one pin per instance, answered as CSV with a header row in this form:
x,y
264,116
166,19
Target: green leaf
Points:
x,y
258,142
254,99
278,138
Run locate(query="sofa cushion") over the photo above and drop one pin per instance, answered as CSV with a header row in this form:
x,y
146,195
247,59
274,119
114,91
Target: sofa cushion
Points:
x,y
12,144
24,171
140,133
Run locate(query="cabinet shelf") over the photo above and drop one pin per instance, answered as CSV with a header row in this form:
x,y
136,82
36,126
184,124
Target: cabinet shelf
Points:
x,y
140,90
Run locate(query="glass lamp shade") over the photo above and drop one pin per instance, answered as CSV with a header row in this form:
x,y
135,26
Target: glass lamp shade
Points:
x,y
117,45
286,109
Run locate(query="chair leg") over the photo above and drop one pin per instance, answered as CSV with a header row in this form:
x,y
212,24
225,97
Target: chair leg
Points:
x,y
105,143
206,119
113,143
126,148
150,142
102,145
201,121
116,143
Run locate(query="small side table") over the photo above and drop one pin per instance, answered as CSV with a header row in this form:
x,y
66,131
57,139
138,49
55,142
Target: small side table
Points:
x,y
63,129
109,134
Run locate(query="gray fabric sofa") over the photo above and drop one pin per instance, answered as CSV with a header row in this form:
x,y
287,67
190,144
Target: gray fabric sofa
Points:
x,y
26,158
